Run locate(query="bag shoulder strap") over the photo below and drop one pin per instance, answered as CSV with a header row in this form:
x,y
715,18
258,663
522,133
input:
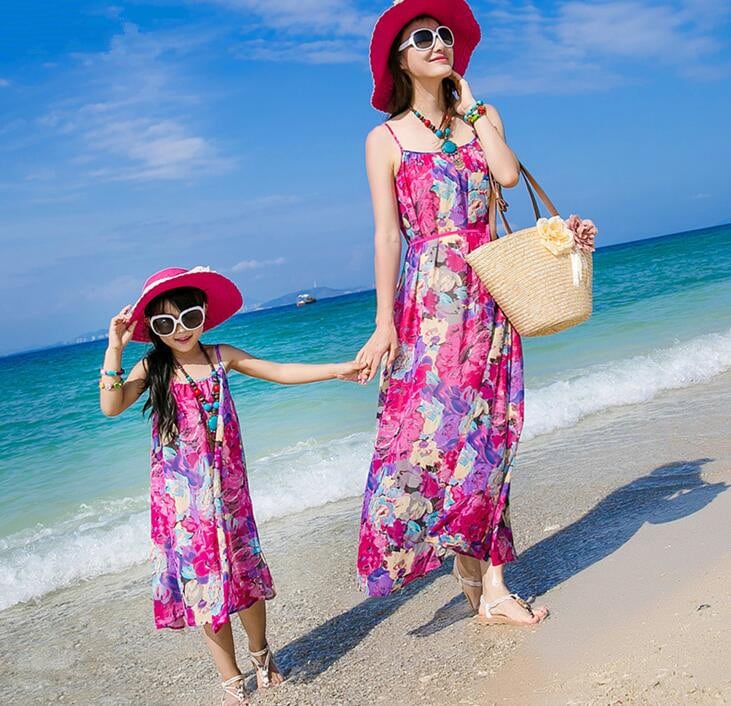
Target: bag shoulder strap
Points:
x,y
497,202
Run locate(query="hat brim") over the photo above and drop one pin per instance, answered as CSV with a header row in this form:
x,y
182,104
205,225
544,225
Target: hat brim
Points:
x,y
456,14
224,299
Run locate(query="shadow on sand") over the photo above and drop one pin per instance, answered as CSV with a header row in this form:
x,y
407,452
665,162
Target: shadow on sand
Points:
x,y
666,494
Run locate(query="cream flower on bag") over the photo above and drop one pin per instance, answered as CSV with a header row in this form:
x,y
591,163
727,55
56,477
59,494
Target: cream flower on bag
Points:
x,y
555,235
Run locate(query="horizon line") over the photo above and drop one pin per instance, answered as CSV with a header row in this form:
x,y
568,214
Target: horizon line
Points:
x,y
622,244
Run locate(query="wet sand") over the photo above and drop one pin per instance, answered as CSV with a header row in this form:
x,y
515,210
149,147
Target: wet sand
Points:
x,y
622,525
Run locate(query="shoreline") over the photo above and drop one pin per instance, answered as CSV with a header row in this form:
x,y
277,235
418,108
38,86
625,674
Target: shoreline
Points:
x,y
657,468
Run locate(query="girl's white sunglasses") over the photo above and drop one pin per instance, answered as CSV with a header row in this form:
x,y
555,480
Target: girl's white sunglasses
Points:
x,y
190,320
426,38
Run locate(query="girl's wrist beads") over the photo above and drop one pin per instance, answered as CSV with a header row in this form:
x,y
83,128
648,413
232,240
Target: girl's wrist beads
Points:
x,y
110,386
475,113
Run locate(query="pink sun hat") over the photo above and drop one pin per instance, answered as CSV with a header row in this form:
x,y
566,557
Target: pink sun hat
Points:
x,y
455,14
223,296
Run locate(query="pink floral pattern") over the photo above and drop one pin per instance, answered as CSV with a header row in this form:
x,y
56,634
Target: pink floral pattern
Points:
x,y
207,560
451,408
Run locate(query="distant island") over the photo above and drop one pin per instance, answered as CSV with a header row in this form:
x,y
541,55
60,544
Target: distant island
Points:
x,y
250,306
97,335
290,299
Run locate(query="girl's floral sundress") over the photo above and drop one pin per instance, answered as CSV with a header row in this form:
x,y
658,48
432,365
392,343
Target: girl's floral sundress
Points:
x,y
451,408
207,561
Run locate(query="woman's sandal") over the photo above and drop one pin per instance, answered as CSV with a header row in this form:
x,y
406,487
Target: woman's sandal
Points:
x,y
491,618
235,688
472,583
263,680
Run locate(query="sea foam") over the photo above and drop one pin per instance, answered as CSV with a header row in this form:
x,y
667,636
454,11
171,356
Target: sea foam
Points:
x,y
111,536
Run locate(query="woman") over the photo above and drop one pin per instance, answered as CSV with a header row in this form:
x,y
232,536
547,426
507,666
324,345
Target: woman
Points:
x,y
451,401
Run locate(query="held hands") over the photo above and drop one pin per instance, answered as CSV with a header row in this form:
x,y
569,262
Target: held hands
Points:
x,y
120,330
350,371
382,345
466,100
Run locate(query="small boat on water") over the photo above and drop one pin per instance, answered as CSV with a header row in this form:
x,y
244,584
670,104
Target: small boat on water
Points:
x,y
305,299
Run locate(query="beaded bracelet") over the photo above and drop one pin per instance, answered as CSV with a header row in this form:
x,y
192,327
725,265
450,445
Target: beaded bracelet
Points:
x,y
109,386
112,373
475,113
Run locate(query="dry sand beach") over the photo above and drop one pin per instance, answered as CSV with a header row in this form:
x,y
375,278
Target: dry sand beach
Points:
x,y
633,559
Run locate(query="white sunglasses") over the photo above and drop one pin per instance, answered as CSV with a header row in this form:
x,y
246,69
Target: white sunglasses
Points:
x,y
426,38
190,320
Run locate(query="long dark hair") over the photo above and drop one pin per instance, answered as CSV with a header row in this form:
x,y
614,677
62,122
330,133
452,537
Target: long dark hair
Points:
x,y
403,90
160,363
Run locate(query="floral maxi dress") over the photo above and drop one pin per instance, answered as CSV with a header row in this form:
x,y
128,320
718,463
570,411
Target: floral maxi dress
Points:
x,y
207,560
450,410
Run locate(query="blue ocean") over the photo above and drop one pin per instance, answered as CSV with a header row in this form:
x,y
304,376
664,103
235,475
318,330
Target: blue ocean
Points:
x,y
73,484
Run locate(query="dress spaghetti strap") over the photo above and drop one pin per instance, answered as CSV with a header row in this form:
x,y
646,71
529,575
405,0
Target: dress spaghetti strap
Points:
x,y
393,134
218,354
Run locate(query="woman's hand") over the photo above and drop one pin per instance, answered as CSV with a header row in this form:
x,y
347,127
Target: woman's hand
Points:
x,y
349,371
383,342
466,100
120,330
501,161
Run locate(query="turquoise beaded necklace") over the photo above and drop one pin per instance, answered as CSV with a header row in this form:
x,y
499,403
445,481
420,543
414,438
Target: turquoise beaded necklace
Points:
x,y
209,408
443,132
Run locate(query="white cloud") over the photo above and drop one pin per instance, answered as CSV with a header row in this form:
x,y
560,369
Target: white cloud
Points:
x,y
245,265
329,17
580,46
4,83
307,31
130,113
154,149
120,289
337,51
634,30
41,174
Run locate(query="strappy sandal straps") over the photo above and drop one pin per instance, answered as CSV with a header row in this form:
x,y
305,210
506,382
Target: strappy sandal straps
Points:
x,y
262,669
467,583
235,687
474,583
489,607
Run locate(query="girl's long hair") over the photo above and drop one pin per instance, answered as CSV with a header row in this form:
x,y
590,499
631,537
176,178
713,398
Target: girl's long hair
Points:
x,y
160,364
403,90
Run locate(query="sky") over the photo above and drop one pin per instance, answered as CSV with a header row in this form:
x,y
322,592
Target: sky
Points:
x,y
229,133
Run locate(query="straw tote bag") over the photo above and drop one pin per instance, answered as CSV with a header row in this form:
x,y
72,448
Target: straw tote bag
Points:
x,y
541,277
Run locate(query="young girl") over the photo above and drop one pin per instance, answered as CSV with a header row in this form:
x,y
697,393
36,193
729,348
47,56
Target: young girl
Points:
x,y
208,563
451,404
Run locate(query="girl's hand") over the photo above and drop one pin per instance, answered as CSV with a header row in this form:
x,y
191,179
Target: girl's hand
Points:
x,y
466,100
349,371
383,342
120,330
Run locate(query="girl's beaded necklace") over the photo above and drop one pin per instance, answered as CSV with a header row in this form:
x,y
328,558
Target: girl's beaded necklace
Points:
x,y
209,409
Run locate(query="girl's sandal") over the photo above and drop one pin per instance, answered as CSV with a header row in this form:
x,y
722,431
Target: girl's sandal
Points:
x,y
263,680
234,688
471,583
491,618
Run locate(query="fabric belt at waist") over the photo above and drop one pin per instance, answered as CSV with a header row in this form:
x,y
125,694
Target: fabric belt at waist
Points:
x,y
473,236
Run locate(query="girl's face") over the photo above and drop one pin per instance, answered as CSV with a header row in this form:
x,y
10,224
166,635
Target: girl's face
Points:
x,y
434,63
181,340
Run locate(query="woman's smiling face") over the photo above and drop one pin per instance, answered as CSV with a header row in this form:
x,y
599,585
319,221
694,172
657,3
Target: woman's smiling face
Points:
x,y
434,63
